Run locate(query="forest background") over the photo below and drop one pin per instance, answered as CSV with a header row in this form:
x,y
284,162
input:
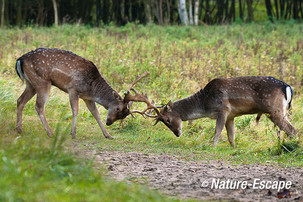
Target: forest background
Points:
x,y
162,12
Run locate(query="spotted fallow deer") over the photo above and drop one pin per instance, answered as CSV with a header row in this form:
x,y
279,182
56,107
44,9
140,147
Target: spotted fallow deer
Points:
x,y
75,75
224,99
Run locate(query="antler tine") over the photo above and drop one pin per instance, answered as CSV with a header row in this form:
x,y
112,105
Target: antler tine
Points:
x,y
140,98
138,79
149,106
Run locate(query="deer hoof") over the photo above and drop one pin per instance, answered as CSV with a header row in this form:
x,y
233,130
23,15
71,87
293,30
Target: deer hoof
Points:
x,y
73,136
19,129
109,137
50,134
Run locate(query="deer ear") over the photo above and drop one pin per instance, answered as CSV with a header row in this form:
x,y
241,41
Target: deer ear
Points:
x,y
168,107
117,96
129,104
170,104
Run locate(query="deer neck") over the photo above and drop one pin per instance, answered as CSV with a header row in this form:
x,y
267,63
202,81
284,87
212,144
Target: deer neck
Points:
x,y
103,93
190,108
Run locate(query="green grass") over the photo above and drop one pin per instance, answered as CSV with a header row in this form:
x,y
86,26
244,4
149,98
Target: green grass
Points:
x,y
181,60
36,168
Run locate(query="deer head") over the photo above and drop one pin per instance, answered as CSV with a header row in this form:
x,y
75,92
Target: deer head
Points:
x,y
166,115
170,118
117,110
121,109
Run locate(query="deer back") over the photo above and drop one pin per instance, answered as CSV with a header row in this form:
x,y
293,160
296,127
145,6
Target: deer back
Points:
x,y
245,95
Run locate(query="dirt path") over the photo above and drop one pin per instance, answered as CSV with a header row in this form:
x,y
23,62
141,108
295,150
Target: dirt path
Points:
x,y
198,180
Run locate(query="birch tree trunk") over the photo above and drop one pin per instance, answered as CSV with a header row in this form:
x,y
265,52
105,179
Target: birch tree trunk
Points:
x,y
190,12
2,13
55,12
196,13
183,12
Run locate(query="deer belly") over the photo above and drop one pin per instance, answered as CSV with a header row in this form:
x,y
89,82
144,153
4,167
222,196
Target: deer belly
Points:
x,y
61,79
241,107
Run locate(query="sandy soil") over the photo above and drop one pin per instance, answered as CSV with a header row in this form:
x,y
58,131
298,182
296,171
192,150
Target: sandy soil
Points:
x,y
198,179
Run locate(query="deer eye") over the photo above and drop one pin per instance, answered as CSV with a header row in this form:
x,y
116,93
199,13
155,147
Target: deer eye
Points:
x,y
118,109
168,120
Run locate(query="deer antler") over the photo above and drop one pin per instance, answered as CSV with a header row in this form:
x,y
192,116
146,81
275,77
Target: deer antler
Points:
x,y
143,98
138,79
140,98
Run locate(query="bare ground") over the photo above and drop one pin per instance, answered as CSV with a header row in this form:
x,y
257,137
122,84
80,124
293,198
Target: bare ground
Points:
x,y
197,179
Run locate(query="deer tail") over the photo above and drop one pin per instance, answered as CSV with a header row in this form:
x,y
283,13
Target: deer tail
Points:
x,y
19,70
288,92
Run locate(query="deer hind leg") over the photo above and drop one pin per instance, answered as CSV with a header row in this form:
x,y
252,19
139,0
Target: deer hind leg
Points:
x,y
221,119
230,128
282,122
74,103
28,93
91,105
42,95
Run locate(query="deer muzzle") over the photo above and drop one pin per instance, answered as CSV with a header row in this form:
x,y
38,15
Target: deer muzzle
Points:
x,y
109,122
178,132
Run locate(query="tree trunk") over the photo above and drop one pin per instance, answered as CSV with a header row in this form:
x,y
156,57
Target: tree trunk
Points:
x,y
19,13
207,18
55,12
117,16
2,13
183,12
232,11
240,10
156,10
190,13
300,9
105,12
282,6
250,11
269,9
40,15
277,9
161,12
98,12
147,11
196,13
220,10
295,10
288,10
167,18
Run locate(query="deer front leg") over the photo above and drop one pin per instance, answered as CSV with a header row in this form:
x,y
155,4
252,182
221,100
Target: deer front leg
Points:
x,y
74,103
91,105
221,119
230,128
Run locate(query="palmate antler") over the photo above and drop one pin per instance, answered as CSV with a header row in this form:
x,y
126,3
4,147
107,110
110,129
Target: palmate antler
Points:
x,y
140,98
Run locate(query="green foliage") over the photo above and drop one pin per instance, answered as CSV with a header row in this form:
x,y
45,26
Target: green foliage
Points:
x,y
181,60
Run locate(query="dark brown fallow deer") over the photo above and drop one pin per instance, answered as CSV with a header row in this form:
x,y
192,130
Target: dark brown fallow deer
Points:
x,y
224,99
77,76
